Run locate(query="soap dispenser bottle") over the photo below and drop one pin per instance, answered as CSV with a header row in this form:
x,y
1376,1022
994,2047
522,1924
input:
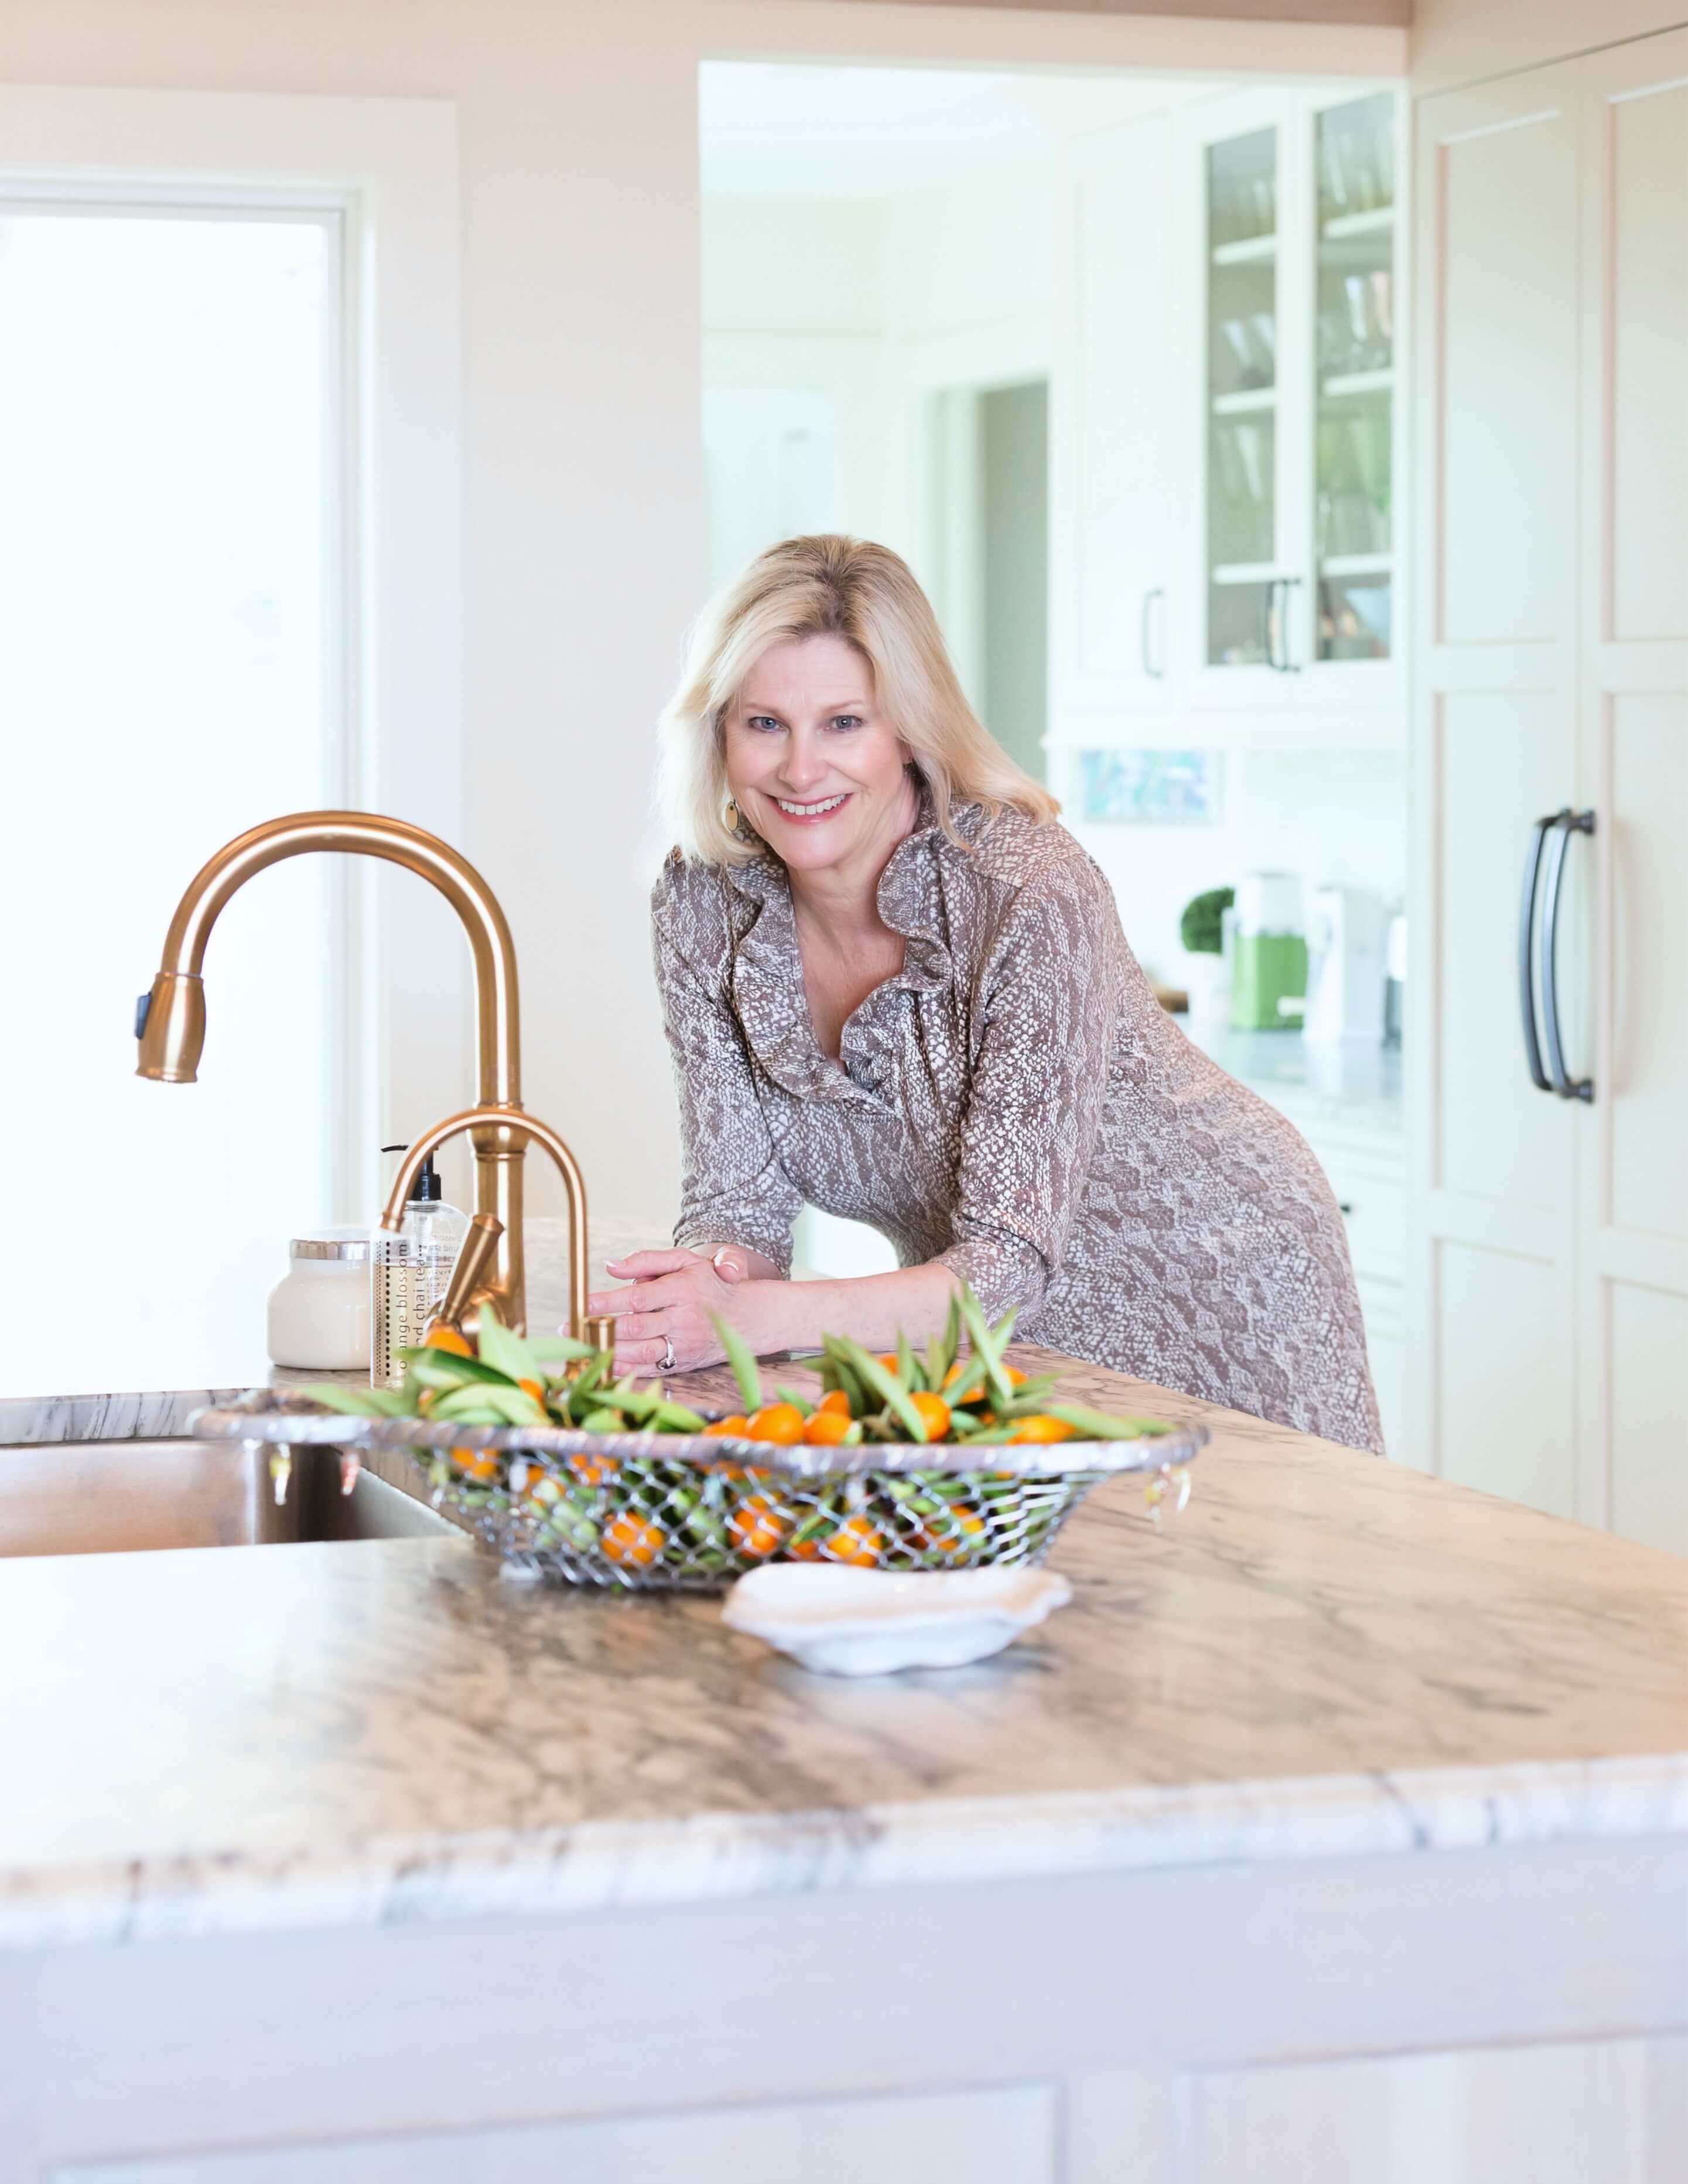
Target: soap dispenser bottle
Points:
x,y
410,1272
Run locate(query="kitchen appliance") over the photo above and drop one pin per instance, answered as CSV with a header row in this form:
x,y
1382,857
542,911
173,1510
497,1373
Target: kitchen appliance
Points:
x,y
1345,988
1269,951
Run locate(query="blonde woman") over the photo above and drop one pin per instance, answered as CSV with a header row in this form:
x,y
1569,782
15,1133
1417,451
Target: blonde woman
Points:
x,y
895,989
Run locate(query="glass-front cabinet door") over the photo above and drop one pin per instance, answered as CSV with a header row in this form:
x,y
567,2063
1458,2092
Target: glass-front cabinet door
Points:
x,y
1296,305
1243,322
1354,339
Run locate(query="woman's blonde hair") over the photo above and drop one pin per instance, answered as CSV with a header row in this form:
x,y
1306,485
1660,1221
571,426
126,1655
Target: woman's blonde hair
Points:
x,y
830,586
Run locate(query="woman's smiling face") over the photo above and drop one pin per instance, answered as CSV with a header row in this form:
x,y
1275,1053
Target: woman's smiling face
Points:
x,y
812,763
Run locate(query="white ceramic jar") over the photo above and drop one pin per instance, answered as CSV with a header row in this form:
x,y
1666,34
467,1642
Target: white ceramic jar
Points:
x,y
319,1311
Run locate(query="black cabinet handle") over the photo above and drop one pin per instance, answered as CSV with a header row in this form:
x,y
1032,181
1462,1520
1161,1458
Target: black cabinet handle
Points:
x,y
1149,599
1564,826
1532,880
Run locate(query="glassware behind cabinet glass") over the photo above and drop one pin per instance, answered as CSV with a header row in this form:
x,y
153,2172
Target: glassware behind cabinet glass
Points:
x,y
1355,354
1242,394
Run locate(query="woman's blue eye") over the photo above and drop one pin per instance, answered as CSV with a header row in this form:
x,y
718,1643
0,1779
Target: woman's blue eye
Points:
x,y
762,720
847,720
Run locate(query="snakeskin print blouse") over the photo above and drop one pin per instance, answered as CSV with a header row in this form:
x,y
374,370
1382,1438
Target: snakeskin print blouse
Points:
x,y
1015,1104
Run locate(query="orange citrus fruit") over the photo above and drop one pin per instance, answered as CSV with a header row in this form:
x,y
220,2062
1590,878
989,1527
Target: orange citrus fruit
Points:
x,y
480,1463
534,1388
889,1360
727,1428
960,1531
827,1428
592,1470
776,1421
757,1525
933,1412
447,1338
835,1400
855,1541
1040,1427
630,1538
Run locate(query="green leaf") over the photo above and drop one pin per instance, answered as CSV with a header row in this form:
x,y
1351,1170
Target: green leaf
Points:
x,y
843,1375
358,1402
886,1385
798,1403
971,1381
506,1353
908,1372
511,1406
1104,1425
987,1343
952,1331
674,1417
442,1370
468,1407
558,1349
745,1370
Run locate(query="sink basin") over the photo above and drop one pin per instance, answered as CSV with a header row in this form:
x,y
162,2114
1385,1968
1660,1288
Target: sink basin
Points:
x,y
101,1498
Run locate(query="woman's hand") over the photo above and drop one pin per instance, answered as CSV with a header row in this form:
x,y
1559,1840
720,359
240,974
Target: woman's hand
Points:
x,y
669,1299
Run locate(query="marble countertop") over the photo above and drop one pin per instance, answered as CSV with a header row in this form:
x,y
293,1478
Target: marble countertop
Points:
x,y
1326,1655
1350,1084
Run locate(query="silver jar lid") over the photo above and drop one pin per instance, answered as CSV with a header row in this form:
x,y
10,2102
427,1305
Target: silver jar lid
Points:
x,y
353,1244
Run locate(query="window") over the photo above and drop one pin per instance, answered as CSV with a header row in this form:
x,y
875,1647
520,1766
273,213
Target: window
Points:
x,y
170,649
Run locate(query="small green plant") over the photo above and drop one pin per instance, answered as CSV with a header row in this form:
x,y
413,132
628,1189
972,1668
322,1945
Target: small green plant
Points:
x,y
1200,928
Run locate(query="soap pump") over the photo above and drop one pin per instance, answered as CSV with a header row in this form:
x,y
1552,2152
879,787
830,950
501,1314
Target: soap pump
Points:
x,y
410,1272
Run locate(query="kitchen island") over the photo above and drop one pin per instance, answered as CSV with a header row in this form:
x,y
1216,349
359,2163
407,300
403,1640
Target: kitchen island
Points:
x,y
1343,1821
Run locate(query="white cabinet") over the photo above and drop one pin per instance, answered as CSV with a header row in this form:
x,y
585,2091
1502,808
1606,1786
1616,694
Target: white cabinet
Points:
x,y
1000,2136
1587,2112
1223,527
1111,481
1551,650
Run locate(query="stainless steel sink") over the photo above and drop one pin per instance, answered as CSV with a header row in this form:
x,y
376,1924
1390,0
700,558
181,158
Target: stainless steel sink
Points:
x,y
96,1497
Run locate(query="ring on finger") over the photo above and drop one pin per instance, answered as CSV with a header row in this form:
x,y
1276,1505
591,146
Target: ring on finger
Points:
x,y
665,1363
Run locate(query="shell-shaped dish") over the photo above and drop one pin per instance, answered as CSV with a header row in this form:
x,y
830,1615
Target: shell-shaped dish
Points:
x,y
840,1622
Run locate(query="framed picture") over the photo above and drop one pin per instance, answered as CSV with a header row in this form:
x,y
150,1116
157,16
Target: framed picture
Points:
x,y
1151,787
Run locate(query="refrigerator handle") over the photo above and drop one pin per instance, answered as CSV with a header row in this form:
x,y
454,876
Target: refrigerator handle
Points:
x,y
1159,591
1532,881
1564,825
1271,630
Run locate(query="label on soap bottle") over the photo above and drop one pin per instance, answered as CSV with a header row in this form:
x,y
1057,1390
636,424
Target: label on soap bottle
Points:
x,y
402,1286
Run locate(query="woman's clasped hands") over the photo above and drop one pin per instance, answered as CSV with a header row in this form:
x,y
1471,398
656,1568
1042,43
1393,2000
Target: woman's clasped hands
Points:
x,y
664,1317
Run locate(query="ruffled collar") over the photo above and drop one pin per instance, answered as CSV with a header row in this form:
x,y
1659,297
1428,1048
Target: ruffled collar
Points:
x,y
767,967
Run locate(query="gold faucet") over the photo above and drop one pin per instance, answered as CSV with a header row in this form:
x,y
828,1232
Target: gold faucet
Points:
x,y
170,1025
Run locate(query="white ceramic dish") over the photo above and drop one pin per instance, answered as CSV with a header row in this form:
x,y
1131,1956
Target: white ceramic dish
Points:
x,y
843,1622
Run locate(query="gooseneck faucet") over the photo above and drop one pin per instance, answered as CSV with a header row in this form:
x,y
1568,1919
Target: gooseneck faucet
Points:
x,y
170,1022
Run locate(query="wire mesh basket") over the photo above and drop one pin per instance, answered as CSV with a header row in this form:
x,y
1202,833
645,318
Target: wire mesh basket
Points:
x,y
689,1514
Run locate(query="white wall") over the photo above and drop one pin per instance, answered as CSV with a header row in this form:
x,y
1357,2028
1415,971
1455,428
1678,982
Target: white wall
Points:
x,y
876,304
1337,815
584,534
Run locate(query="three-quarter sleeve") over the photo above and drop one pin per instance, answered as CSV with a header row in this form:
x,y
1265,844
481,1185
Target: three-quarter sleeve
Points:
x,y
732,1187
1048,1007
